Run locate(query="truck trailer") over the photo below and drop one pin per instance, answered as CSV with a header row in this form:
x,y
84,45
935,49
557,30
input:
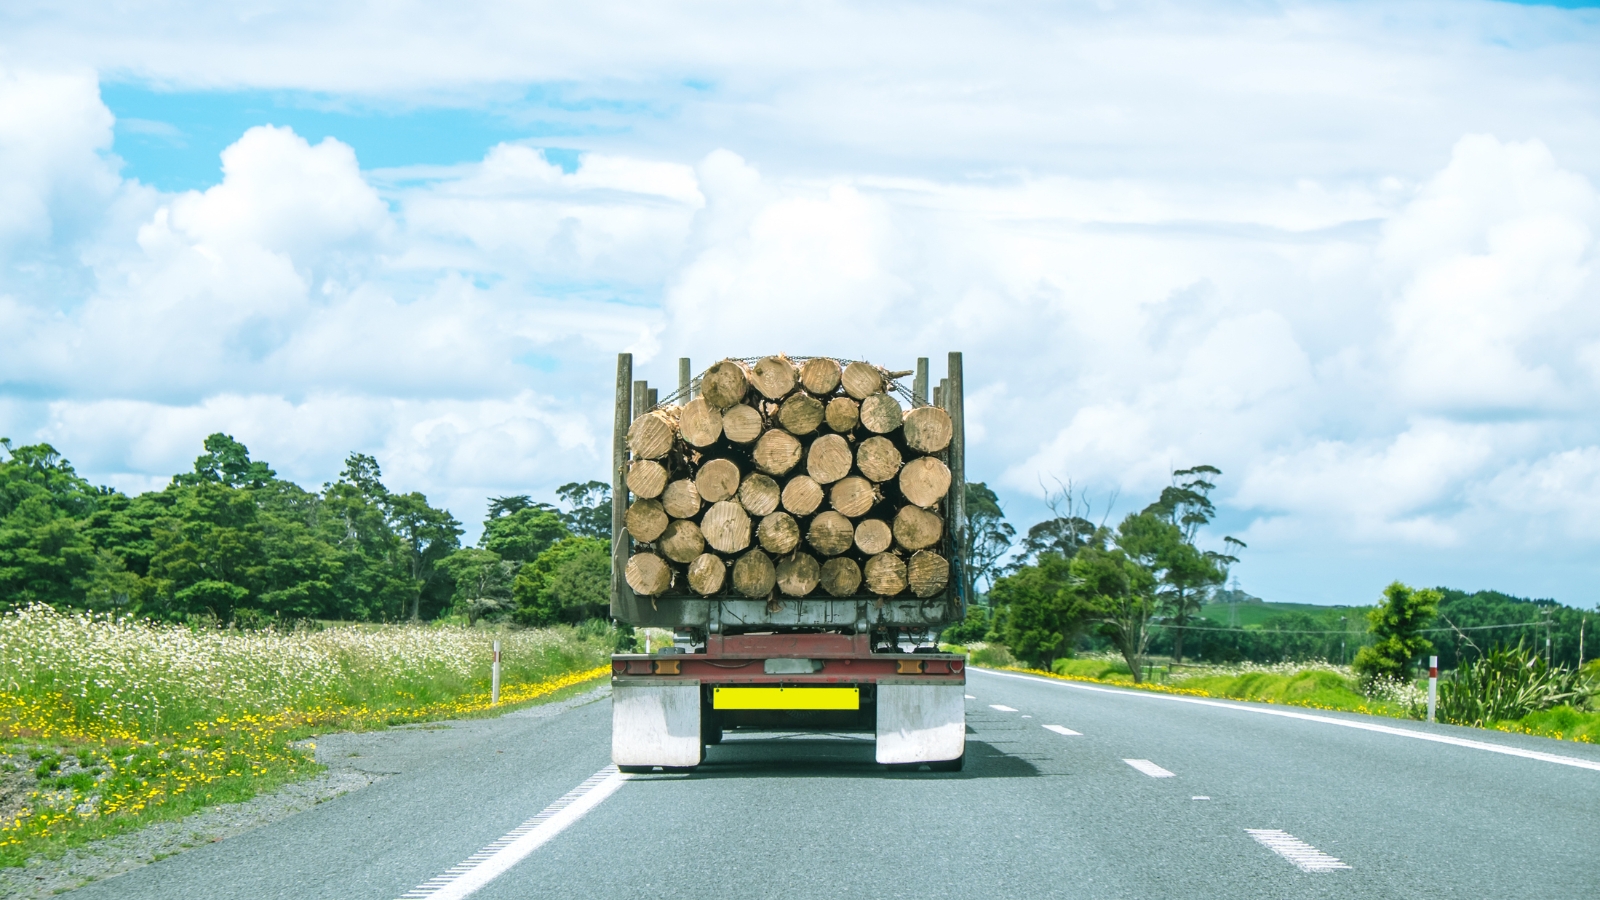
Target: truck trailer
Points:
x,y
795,650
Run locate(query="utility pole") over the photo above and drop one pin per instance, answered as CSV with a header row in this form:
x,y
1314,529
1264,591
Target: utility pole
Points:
x,y
1343,634
1546,612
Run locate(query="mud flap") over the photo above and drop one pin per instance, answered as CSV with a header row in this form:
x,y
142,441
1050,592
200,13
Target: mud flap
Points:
x,y
921,723
656,723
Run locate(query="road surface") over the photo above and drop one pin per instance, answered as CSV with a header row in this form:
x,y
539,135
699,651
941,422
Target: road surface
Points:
x,y
1070,790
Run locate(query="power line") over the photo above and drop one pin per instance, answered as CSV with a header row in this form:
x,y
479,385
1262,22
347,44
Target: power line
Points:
x,y
1289,631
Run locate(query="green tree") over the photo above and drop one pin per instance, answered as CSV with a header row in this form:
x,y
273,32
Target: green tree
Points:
x,y
524,534
1397,624
426,535
227,462
1188,573
570,582
44,556
1116,585
988,538
588,508
482,582
1044,616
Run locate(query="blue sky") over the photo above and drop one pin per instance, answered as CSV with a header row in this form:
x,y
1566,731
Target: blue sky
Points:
x,y
1343,251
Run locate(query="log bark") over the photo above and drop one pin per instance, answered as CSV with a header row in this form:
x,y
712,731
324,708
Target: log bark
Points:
x,y
725,383
874,536
682,542
843,414
916,528
878,459
759,494
928,429
778,533
829,459
925,480
707,574
861,380
774,376
726,527
820,375
880,414
648,574
777,452
802,495
681,499
800,414
798,574
854,496
841,576
831,533
717,480
700,423
646,519
928,573
646,478
741,423
650,436
886,575
754,575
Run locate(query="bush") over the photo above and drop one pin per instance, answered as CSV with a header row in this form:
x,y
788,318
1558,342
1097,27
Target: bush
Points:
x,y
1398,624
1509,683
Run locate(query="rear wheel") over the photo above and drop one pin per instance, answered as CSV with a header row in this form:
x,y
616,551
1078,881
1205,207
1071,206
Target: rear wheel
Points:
x,y
949,765
635,770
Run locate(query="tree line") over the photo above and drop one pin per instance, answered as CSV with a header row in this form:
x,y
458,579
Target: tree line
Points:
x,y
230,542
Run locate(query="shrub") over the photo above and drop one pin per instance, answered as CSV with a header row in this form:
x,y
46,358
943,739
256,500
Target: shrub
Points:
x,y
1397,623
1508,683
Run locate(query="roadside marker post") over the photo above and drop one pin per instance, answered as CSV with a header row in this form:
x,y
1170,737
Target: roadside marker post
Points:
x,y
494,684
1433,685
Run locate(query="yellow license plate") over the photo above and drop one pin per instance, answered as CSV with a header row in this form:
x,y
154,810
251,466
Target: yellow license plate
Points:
x,y
786,698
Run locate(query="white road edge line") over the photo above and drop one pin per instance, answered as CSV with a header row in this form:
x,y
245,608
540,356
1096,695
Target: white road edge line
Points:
x,y
1150,768
970,697
1326,720
1001,707
1062,729
1305,857
492,861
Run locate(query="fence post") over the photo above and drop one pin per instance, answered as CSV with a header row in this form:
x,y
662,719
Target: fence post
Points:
x,y
1433,685
494,685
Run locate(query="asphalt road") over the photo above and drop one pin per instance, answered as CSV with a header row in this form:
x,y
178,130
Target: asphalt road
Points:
x,y
1036,813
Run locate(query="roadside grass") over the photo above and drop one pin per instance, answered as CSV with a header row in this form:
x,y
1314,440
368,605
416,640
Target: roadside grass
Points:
x,y
107,725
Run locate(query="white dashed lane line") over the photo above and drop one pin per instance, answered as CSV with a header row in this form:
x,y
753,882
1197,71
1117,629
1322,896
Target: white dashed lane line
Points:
x,y
1001,707
970,697
1305,857
1149,768
1063,730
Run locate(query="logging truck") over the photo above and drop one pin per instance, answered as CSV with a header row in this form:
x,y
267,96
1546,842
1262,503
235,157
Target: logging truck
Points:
x,y
796,522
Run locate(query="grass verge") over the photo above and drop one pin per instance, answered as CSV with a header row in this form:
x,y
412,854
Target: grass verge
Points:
x,y
107,725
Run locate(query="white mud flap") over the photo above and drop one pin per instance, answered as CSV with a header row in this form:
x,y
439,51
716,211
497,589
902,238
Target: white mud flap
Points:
x,y
655,723
921,723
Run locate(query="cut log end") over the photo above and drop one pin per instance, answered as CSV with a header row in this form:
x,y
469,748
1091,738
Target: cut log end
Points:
x,y
700,423
820,375
800,414
829,459
754,574
648,574
878,458
717,480
741,423
646,520
802,495
927,573
916,528
841,577
774,376
927,429
886,575
682,542
646,478
778,533
651,435
843,414
725,383
777,452
873,536
861,380
759,494
853,496
798,574
925,481
726,527
707,574
681,499
831,533
881,414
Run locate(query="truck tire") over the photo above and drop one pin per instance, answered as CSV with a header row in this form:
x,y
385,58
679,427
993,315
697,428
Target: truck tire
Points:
x,y
636,770
948,765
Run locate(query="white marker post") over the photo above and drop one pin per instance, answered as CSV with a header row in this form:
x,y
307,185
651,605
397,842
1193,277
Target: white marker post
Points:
x,y
494,685
1433,684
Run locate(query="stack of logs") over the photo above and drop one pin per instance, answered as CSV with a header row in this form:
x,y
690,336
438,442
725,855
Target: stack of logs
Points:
x,y
782,478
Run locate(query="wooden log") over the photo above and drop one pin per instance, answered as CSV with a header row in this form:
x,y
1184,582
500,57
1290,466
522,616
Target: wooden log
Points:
x,y
774,376
916,528
886,575
843,414
681,499
754,575
649,574
682,542
878,459
777,452
800,414
707,574
829,459
854,496
928,429
646,478
820,375
778,533
650,436
925,480
928,573
741,423
841,576
726,527
802,495
700,423
861,380
798,574
759,494
717,480
880,414
874,536
725,383
831,533
646,520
